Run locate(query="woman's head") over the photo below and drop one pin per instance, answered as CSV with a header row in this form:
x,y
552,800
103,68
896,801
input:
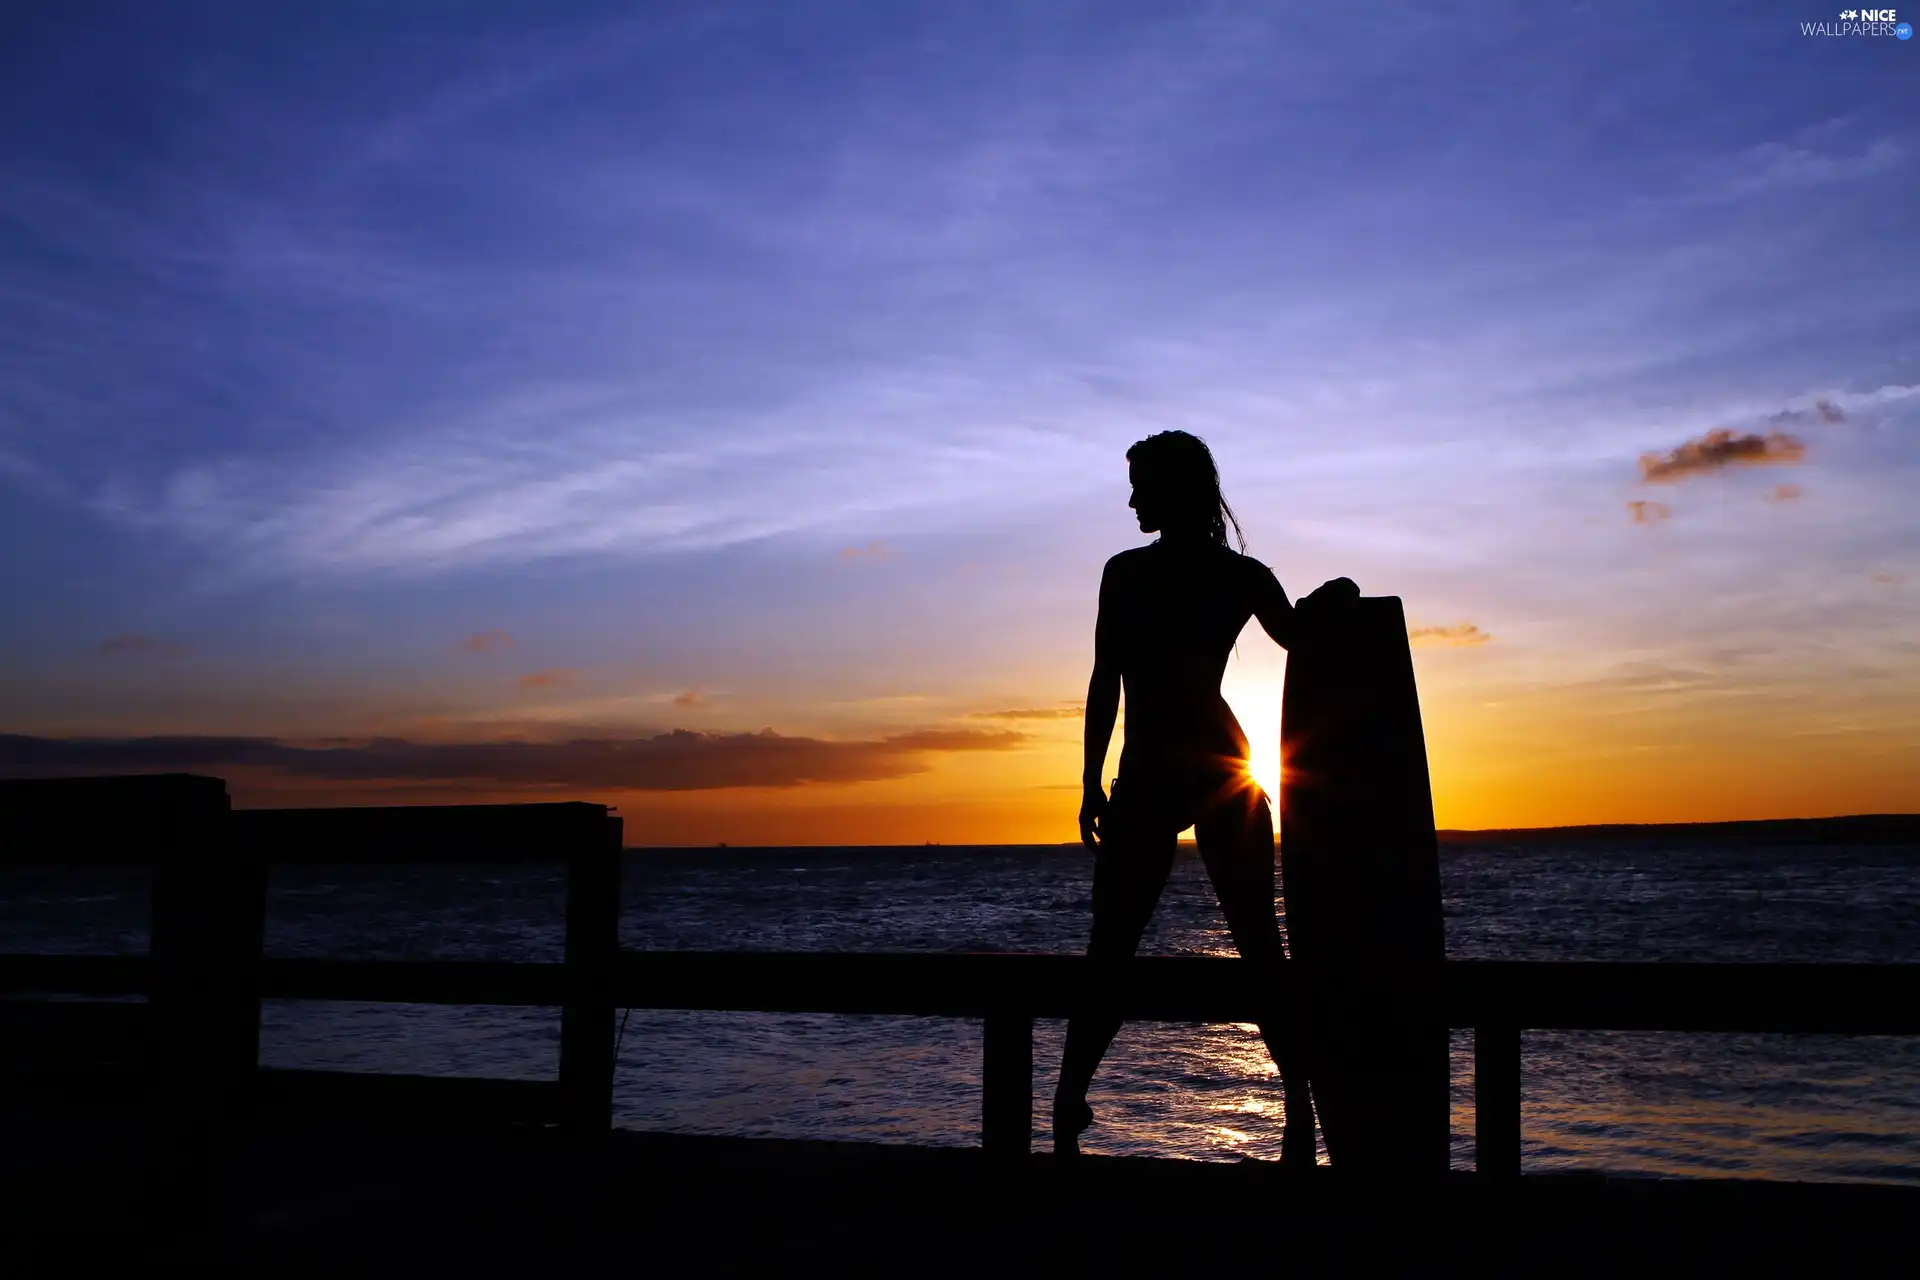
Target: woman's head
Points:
x,y
1176,489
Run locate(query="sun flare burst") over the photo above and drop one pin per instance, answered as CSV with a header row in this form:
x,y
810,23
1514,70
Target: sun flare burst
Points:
x,y
1253,689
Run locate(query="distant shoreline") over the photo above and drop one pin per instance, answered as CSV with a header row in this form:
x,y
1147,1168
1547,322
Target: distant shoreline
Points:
x,y
1859,828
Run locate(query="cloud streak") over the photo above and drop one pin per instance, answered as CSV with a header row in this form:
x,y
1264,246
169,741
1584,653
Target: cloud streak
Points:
x,y
1030,713
1460,634
487,642
1810,160
577,484
1825,411
680,760
136,644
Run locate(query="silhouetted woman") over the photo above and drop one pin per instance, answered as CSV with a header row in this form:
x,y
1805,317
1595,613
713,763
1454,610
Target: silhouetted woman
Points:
x,y
1169,615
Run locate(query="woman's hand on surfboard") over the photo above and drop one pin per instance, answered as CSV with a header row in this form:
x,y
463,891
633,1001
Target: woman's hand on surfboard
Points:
x,y
1333,592
1093,807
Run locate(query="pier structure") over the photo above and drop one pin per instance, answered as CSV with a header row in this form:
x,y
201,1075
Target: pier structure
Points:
x,y
182,1023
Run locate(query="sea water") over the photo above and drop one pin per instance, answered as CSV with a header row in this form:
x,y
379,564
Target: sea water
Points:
x,y
1788,1107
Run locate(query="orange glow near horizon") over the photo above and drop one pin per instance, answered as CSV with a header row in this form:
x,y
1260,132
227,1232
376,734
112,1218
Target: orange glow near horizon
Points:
x,y
1512,742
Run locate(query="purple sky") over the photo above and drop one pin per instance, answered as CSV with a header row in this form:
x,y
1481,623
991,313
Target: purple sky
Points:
x,y
781,359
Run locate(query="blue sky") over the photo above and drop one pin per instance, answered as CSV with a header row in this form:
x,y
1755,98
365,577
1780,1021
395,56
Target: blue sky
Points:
x,y
780,359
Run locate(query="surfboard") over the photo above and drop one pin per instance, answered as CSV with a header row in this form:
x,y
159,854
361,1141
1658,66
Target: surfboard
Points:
x,y
1360,876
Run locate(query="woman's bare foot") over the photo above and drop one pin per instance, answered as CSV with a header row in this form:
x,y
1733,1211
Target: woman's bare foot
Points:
x,y
1071,1118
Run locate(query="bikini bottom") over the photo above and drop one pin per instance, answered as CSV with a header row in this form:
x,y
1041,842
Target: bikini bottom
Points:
x,y
1167,798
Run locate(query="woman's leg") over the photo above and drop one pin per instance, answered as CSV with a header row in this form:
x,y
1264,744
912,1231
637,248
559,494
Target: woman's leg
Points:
x,y
1129,872
1235,836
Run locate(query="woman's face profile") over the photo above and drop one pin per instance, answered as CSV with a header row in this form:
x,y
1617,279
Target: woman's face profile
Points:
x,y
1144,501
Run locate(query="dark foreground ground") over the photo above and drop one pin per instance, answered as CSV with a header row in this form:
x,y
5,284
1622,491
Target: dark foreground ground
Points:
x,y
76,1190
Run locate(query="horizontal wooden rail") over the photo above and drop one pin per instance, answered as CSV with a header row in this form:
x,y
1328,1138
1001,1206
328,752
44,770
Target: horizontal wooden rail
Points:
x,y
123,821
75,975
971,985
1498,999
1843,999
205,973
1840,999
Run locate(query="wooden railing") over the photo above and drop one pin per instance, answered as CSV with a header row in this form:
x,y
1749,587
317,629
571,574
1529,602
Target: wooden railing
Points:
x,y
206,972
1496,999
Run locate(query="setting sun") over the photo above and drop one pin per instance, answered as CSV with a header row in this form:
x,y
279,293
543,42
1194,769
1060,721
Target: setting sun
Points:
x,y
1252,687
1264,769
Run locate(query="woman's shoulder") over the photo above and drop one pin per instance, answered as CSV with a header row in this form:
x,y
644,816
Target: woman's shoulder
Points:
x,y
1130,561
1248,567
1236,566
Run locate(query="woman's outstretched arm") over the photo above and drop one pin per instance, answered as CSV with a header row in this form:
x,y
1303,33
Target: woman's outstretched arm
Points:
x,y
1103,705
1271,606
1280,619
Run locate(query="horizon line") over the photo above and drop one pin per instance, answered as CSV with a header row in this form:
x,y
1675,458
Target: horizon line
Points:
x,y
1907,824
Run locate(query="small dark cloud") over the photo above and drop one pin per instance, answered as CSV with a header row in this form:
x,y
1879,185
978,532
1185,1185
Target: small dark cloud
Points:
x,y
1823,411
487,642
1460,633
1031,713
1785,493
681,760
135,644
546,679
1888,579
691,698
1641,511
1719,449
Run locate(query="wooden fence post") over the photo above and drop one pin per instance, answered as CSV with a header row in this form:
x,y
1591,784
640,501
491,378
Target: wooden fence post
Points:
x,y
208,927
592,950
1496,1100
1006,1087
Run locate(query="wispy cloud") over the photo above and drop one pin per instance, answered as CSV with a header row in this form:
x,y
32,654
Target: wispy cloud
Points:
x,y
1822,411
581,486
137,644
33,475
1030,713
691,698
1460,633
487,642
676,761
871,551
1719,449
1785,493
1818,156
547,679
1643,511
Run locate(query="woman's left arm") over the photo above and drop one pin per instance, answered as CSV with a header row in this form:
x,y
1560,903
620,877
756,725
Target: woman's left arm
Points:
x,y
1280,619
1270,604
